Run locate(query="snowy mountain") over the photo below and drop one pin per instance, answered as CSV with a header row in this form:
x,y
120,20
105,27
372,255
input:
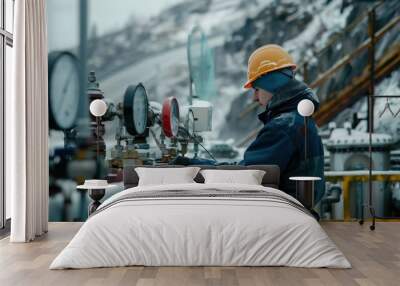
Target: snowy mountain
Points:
x,y
156,55
154,52
305,28
216,17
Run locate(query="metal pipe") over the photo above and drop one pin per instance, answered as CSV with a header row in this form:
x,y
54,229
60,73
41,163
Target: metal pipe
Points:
x,y
305,139
83,122
371,90
371,62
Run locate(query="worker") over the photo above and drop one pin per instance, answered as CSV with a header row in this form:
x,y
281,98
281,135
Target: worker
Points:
x,y
281,141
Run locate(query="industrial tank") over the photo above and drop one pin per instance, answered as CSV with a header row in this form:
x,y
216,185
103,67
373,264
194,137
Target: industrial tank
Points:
x,y
349,152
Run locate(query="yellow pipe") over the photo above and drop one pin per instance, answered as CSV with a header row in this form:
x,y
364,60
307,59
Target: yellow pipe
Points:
x,y
346,181
346,198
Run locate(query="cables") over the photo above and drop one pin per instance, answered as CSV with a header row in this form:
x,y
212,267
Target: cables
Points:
x,y
187,134
181,128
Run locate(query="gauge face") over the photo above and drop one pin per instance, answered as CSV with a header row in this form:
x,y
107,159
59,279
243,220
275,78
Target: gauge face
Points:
x,y
190,121
140,108
136,108
170,117
63,90
175,117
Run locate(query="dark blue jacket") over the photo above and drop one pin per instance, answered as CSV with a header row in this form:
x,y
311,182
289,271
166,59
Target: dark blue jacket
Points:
x,y
281,141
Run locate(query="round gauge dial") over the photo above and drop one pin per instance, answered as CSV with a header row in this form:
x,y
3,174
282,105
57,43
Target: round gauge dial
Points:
x,y
136,107
63,90
170,117
189,121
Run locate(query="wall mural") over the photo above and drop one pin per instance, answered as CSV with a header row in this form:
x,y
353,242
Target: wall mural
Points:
x,y
165,87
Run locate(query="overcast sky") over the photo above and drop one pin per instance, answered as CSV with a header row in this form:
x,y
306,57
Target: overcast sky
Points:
x,y
110,14
63,17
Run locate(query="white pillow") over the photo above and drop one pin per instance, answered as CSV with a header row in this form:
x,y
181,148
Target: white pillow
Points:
x,y
248,177
163,176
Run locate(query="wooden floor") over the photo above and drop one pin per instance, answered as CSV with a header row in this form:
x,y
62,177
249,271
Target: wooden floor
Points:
x,y
375,257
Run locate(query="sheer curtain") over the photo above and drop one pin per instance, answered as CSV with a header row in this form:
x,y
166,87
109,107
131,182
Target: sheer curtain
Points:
x,y
27,124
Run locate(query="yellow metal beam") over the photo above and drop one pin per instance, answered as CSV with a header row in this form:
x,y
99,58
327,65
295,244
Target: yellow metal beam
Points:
x,y
338,101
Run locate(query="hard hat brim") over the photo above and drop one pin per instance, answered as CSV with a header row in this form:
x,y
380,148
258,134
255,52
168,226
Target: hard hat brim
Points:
x,y
249,83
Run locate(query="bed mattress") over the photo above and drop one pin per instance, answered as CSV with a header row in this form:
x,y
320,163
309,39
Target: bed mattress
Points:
x,y
201,225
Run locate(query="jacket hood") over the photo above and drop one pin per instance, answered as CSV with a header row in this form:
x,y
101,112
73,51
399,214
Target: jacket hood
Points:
x,y
286,98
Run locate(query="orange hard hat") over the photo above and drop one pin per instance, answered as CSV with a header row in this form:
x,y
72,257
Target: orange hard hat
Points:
x,y
266,59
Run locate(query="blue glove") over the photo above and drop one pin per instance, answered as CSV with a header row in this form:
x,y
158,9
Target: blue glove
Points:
x,y
185,161
225,163
179,160
201,161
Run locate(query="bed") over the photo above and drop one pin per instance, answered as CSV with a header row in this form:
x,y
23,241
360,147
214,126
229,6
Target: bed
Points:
x,y
198,224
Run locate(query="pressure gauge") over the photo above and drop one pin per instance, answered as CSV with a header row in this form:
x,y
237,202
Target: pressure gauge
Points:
x,y
63,90
136,107
170,117
190,121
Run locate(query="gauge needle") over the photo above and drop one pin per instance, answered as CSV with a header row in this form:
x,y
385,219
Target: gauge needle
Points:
x,y
65,88
68,80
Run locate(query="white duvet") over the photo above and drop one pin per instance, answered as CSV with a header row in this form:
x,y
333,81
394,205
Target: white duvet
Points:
x,y
200,231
